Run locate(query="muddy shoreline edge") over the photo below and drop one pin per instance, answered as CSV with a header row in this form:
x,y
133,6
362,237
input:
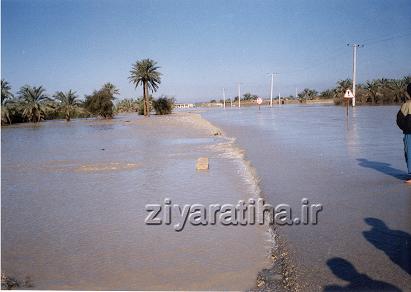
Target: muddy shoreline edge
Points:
x,y
282,273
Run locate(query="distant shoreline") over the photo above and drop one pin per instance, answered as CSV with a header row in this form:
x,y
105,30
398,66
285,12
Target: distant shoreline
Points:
x,y
328,102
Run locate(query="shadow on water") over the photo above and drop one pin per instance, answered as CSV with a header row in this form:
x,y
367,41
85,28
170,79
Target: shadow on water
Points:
x,y
384,168
396,244
346,271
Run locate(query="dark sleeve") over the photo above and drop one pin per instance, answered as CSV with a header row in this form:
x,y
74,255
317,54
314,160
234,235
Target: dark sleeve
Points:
x,y
401,120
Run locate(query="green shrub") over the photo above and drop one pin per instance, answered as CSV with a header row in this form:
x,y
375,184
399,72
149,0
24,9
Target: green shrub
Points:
x,y
163,105
128,105
100,103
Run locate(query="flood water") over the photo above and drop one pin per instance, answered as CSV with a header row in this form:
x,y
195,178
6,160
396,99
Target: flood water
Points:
x,y
354,168
73,207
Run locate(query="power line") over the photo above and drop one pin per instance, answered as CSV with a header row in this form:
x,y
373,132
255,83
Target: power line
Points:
x,y
337,53
341,52
324,61
387,38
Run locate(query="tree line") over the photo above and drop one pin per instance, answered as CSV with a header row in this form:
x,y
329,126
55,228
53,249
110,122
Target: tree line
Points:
x,y
162,106
245,97
374,92
33,104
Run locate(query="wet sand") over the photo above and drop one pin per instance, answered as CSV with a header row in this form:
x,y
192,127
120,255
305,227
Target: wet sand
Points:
x,y
74,196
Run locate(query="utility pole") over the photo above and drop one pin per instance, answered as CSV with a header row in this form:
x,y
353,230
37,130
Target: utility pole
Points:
x,y
224,97
272,88
239,94
279,98
296,92
354,67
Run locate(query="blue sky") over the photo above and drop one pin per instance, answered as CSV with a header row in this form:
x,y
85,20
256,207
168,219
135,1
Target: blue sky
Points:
x,y
202,46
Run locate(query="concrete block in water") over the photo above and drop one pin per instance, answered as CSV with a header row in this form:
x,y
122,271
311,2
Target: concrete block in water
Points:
x,y
202,163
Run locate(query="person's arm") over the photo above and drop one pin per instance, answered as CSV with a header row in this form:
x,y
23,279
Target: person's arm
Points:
x,y
401,120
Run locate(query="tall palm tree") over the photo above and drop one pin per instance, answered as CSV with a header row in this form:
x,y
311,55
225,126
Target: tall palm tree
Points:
x,y
145,72
32,101
67,102
111,88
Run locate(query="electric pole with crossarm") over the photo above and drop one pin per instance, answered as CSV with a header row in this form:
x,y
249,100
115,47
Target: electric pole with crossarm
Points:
x,y
354,67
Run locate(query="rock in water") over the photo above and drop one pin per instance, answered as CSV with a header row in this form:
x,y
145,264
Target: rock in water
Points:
x,y
202,163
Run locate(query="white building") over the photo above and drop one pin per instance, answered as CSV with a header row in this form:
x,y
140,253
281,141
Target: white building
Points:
x,y
183,105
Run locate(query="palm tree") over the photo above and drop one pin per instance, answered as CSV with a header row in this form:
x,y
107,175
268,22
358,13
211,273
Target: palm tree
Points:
x,y
145,72
32,101
398,88
5,91
6,97
111,88
328,94
373,88
248,96
307,94
342,87
5,113
67,102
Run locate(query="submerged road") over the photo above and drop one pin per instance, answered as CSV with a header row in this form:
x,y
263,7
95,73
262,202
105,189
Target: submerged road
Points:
x,y
74,199
354,168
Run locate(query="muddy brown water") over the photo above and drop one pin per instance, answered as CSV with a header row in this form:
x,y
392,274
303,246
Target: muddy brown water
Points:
x,y
73,206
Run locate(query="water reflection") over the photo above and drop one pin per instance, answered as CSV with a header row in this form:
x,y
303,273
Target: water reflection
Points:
x,y
352,135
